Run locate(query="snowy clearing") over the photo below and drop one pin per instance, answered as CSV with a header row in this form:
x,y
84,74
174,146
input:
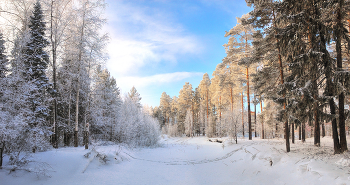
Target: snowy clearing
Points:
x,y
188,161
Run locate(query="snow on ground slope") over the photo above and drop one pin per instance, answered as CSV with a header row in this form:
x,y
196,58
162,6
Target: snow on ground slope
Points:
x,y
191,161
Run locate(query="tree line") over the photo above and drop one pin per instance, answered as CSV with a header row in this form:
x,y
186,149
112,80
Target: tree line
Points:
x,y
54,90
290,55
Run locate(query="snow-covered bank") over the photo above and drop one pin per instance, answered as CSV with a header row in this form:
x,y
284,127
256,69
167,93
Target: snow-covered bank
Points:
x,y
192,161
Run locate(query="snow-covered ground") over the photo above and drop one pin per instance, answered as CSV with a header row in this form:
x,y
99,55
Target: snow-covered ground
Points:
x,y
188,161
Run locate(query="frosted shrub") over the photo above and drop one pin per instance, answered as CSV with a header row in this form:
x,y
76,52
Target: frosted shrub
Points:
x,y
136,127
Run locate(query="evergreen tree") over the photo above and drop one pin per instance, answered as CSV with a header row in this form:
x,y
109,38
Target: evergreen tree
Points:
x,y
164,105
105,105
239,49
188,123
35,64
204,91
268,52
184,103
3,59
3,87
135,96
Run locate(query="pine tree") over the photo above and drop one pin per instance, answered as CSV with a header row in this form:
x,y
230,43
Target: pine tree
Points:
x,y
164,105
339,33
188,123
268,52
205,97
105,104
196,101
3,59
135,96
35,64
3,88
184,103
173,110
239,49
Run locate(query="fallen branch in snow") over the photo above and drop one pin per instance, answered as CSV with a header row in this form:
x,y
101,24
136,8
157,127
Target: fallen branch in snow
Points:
x,y
215,140
40,169
100,156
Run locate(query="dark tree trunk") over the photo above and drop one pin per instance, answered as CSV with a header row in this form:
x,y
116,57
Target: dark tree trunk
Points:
x,y
53,49
336,143
249,113
292,132
242,116
329,92
286,131
342,131
341,97
86,139
323,130
254,119
75,138
303,132
299,132
2,146
262,121
317,138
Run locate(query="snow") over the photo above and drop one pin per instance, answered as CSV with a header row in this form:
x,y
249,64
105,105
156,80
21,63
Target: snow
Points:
x,y
189,161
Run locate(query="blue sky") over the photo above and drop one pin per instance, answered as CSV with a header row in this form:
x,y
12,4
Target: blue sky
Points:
x,y
159,45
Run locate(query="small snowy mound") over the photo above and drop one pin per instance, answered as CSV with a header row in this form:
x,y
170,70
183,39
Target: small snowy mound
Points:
x,y
104,155
343,162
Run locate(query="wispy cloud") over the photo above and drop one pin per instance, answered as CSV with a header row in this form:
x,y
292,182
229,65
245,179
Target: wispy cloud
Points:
x,y
143,36
127,82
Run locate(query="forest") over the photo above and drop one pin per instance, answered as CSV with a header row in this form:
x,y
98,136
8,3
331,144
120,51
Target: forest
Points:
x,y
285,77
289,57
54,90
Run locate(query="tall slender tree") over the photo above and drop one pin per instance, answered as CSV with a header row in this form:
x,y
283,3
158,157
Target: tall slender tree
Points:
x,y
239,48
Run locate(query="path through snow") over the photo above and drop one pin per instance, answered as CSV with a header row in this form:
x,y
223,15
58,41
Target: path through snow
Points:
x,y
193,161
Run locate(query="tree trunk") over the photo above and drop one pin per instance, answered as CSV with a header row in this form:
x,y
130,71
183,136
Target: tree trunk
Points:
x,y
330,92
76,117
323,130
2,146
53,49
292,132
254,118
336,143
249,113
78,89
236,132
262,121
299,132
86,136
341,97
207,103
314,90
317,138
286,129
220,127
303,132
242,115
68,134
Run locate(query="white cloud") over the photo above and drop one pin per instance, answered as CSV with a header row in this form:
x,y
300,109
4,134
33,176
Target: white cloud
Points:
x,y
142,36
159,79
